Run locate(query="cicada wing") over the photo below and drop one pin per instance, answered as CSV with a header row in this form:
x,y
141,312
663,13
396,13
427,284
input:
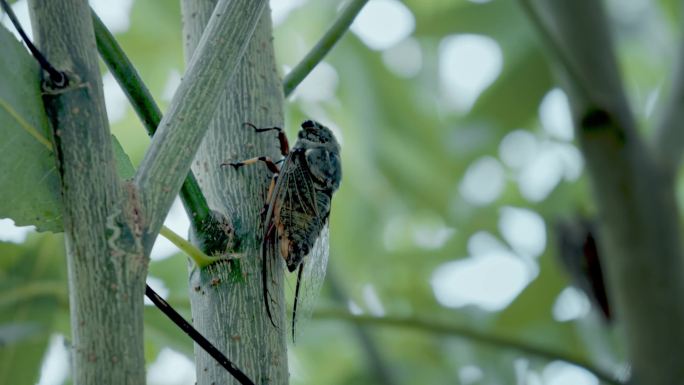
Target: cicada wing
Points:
x,y
297,215
272,267
309,281
271,259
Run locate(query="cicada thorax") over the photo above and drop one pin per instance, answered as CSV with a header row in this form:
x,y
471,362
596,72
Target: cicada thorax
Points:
x,y
324,166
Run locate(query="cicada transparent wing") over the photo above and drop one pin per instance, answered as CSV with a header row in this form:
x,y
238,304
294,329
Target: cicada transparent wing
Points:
x,y
310,277
295,218
272,265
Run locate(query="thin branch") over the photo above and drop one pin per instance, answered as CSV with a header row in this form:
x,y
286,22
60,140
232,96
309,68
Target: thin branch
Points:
x,y
126,75
196,254
167,161
437,327
331,37
57,77
33,290
376,362
200,259
197,336
148,111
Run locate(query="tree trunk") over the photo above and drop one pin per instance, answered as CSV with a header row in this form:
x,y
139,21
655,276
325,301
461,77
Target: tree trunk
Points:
x,y
227,306
635,194
106,265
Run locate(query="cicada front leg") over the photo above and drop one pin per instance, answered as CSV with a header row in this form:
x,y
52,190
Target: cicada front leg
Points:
x,y
282,139
270,164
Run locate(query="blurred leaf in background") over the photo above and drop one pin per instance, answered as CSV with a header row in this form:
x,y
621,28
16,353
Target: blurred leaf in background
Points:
x,y
459,157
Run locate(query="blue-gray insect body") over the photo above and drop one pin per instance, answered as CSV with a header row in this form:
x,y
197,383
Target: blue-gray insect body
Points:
x,y
300,201
295,220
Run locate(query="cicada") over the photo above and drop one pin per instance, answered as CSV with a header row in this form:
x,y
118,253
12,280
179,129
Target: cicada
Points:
x,y
295,216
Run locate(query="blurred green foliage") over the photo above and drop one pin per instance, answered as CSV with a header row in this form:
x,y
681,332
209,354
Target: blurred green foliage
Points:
x,y
404,157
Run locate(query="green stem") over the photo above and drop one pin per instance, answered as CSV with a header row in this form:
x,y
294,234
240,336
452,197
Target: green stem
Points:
x,y
200,259
33,290
148,111
323,46
437,327
180,132
374,358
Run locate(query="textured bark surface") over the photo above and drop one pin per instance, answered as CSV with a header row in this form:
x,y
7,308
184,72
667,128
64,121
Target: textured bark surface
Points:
x,y
180,132
228,311
105,263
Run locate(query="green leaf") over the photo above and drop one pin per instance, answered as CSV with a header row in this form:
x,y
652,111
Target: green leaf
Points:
x,y
29,181
124,167
32,295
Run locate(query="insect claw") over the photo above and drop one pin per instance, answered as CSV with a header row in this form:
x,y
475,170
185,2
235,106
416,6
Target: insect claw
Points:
x,y
248,124
234,165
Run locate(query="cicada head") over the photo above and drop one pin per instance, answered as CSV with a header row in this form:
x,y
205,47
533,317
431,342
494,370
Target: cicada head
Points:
x,y
317,133
322,153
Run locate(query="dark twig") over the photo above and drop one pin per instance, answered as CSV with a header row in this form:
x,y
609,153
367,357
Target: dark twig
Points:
x,y
196,336
375,361
437,327
57,77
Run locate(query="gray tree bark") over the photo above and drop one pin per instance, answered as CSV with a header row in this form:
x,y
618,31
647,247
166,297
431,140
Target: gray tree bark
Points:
x,y
110,226
227,306
106,264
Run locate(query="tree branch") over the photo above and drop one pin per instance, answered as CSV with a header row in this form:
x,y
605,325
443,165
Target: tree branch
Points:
x,y
126,75
436,327
637,206
167,161
106,270
376,362
226,299
201,260
318,52
148,111
184,325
